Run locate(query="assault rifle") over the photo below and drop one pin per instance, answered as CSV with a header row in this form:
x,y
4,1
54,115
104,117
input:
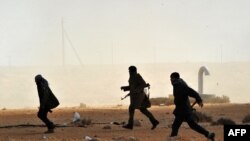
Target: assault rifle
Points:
x,y
127,88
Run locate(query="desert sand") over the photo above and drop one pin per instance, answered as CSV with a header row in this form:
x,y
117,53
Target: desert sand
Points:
x,y
103,116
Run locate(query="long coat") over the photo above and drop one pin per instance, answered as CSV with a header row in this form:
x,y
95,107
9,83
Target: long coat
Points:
x,y
137,95
181,93
46,97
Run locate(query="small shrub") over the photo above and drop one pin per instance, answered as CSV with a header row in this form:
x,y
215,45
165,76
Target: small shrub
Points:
x,y
202,117
208,99
137,122
246,119
158,100
86,121
82,122
162,100
224,121
217,99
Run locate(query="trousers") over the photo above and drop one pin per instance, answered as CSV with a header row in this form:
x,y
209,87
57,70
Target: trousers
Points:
x,y
42,114
190,121
144,111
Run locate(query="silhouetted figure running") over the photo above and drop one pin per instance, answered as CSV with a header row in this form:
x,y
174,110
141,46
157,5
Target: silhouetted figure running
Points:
x,y
47,100
138,99
183,109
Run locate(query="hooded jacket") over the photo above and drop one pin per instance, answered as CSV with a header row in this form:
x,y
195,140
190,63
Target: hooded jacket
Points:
x,y
46,97
181,93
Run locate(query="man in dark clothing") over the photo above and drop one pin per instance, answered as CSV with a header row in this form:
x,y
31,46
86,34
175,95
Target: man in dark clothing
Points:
x,y
183,109
138,99
47,101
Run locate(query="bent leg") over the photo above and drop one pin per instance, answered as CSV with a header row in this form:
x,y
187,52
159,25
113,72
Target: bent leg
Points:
x,y
176,125
150,116
42,114
193,125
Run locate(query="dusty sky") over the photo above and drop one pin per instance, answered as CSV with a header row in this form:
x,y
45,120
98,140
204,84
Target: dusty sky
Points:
x,y
123,31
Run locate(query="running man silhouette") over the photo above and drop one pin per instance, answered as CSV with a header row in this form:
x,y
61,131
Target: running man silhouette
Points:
x,y
183,109
138,99
47,101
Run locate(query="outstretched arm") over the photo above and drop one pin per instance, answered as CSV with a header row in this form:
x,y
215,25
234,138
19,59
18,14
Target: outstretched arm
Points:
x,y
125,88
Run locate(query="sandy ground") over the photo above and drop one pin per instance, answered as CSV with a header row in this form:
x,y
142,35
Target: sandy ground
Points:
x,y
101,117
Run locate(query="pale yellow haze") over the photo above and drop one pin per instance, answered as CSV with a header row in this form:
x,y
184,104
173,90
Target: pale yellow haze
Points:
x,y
84,47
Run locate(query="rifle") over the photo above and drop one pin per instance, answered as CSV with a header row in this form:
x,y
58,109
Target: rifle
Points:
x,y
122,98
192,106
125,96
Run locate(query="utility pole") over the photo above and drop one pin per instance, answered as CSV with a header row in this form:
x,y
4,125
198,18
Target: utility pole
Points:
x,y
63,47
113,53
221,54
65,34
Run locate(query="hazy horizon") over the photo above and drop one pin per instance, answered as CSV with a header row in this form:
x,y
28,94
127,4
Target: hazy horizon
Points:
x,y
100,84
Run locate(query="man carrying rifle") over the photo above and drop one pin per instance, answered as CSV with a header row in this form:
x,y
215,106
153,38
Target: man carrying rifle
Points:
x,y
183,109
138,99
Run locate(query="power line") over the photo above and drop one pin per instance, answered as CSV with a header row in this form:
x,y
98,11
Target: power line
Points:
x,y
64,33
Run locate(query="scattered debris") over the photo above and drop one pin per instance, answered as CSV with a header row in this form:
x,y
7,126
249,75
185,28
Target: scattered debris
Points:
x,y
224,121
65,124
162,104
77,121
246,119
76,117
131,138
86,121
44,137
176,138
107,127
137,123
119,138
88,138
117,123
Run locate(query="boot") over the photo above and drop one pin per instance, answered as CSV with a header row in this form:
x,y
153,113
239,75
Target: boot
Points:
x,y
49,131
154,123
50,128
211,136
128,126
